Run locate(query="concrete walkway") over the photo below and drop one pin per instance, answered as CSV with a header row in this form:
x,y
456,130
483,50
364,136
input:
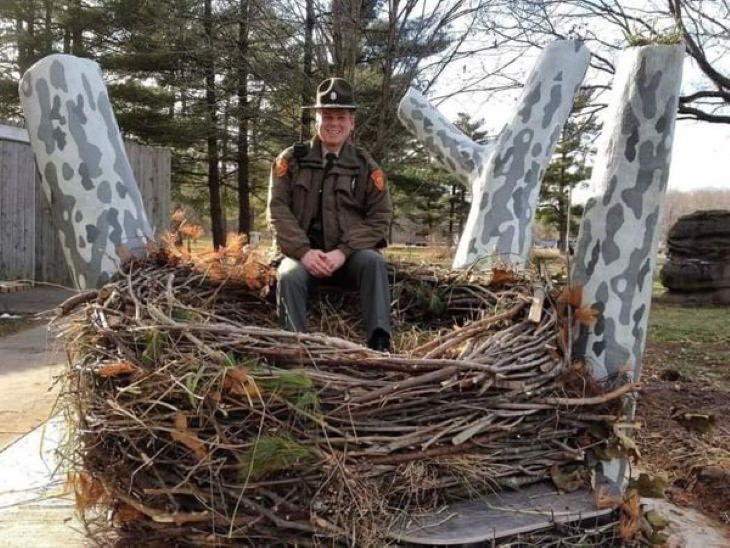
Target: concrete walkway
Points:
x,y
35,510
29,361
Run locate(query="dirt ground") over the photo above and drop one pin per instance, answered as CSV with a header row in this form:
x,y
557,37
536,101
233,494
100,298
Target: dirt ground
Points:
x,y
684,408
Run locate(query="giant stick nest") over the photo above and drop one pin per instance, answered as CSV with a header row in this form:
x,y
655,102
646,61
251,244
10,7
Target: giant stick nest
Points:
x,y
198,421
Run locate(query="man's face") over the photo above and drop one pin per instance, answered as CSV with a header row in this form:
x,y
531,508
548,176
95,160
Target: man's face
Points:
x,y
334,126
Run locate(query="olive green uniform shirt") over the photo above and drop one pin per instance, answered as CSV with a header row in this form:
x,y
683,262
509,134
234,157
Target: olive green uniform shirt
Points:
x,y
356,204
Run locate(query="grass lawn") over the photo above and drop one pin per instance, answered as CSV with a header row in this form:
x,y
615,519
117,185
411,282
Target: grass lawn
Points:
x,y
693,341
691,325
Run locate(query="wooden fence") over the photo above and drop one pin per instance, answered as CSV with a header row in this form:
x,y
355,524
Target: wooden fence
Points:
x,y
30,248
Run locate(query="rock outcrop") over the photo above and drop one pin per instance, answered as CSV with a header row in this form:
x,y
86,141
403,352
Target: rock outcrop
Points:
x,y
698,267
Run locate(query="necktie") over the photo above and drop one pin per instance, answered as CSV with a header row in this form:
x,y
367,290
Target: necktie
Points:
x,y
329,158
315,233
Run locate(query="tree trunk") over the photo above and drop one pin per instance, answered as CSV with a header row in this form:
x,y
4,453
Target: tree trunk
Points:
x,y
212,131
244,190
346,36
76,32
307,87
48,27
452,211
378,148
223,164
24,30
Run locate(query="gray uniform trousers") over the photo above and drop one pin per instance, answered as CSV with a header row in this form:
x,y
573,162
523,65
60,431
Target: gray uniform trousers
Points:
x,y
363,270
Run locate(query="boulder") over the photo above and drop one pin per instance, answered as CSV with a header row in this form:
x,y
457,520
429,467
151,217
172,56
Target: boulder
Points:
x,y
701,235
698,268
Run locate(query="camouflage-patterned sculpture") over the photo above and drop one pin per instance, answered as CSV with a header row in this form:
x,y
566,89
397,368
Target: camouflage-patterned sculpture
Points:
x,y
505,176
96,203
616,253
614,262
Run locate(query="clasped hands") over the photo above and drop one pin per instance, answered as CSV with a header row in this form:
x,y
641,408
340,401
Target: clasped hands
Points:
x,y
320,264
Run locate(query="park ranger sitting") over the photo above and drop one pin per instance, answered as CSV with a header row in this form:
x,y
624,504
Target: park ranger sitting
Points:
x,y
330,208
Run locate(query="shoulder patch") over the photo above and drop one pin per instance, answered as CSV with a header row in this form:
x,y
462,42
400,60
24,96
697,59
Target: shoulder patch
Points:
x,y
378,178
281,167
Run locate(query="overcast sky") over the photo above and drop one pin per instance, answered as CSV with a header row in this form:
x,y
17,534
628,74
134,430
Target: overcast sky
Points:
x,y
700,154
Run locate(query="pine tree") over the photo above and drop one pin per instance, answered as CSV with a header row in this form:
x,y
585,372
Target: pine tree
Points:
x,y
568,169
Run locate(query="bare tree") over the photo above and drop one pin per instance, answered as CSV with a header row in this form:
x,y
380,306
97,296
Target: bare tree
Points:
x,y
678,203
216,218
703,25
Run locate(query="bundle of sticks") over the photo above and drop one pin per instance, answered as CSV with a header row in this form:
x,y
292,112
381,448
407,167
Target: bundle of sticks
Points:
x,y
199,420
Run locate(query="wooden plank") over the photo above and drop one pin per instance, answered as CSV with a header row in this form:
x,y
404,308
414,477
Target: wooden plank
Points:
x,y
30,246
49,257
17,222
26,172
5,212
165,177
151,168
538,299
13,286
13,133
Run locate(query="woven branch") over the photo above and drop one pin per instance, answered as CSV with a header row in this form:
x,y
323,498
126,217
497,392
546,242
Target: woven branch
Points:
x,y
200,421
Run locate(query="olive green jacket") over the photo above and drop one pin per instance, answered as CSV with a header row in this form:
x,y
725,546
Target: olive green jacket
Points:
x,y
356,205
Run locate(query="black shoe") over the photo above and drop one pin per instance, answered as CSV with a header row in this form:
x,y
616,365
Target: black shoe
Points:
x,y
380,341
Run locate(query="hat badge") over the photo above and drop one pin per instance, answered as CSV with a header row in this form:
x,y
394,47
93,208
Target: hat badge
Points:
x,y
333,95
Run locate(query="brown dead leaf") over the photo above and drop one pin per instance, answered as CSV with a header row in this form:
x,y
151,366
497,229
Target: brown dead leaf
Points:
x,y
501,276
650,485
606,500
586,315
237,381
701,422
187,437
629,507
114,369
88,490
214,271
572,296
127,513
192,231
566,479
627,444
235,243
630,513
254,274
